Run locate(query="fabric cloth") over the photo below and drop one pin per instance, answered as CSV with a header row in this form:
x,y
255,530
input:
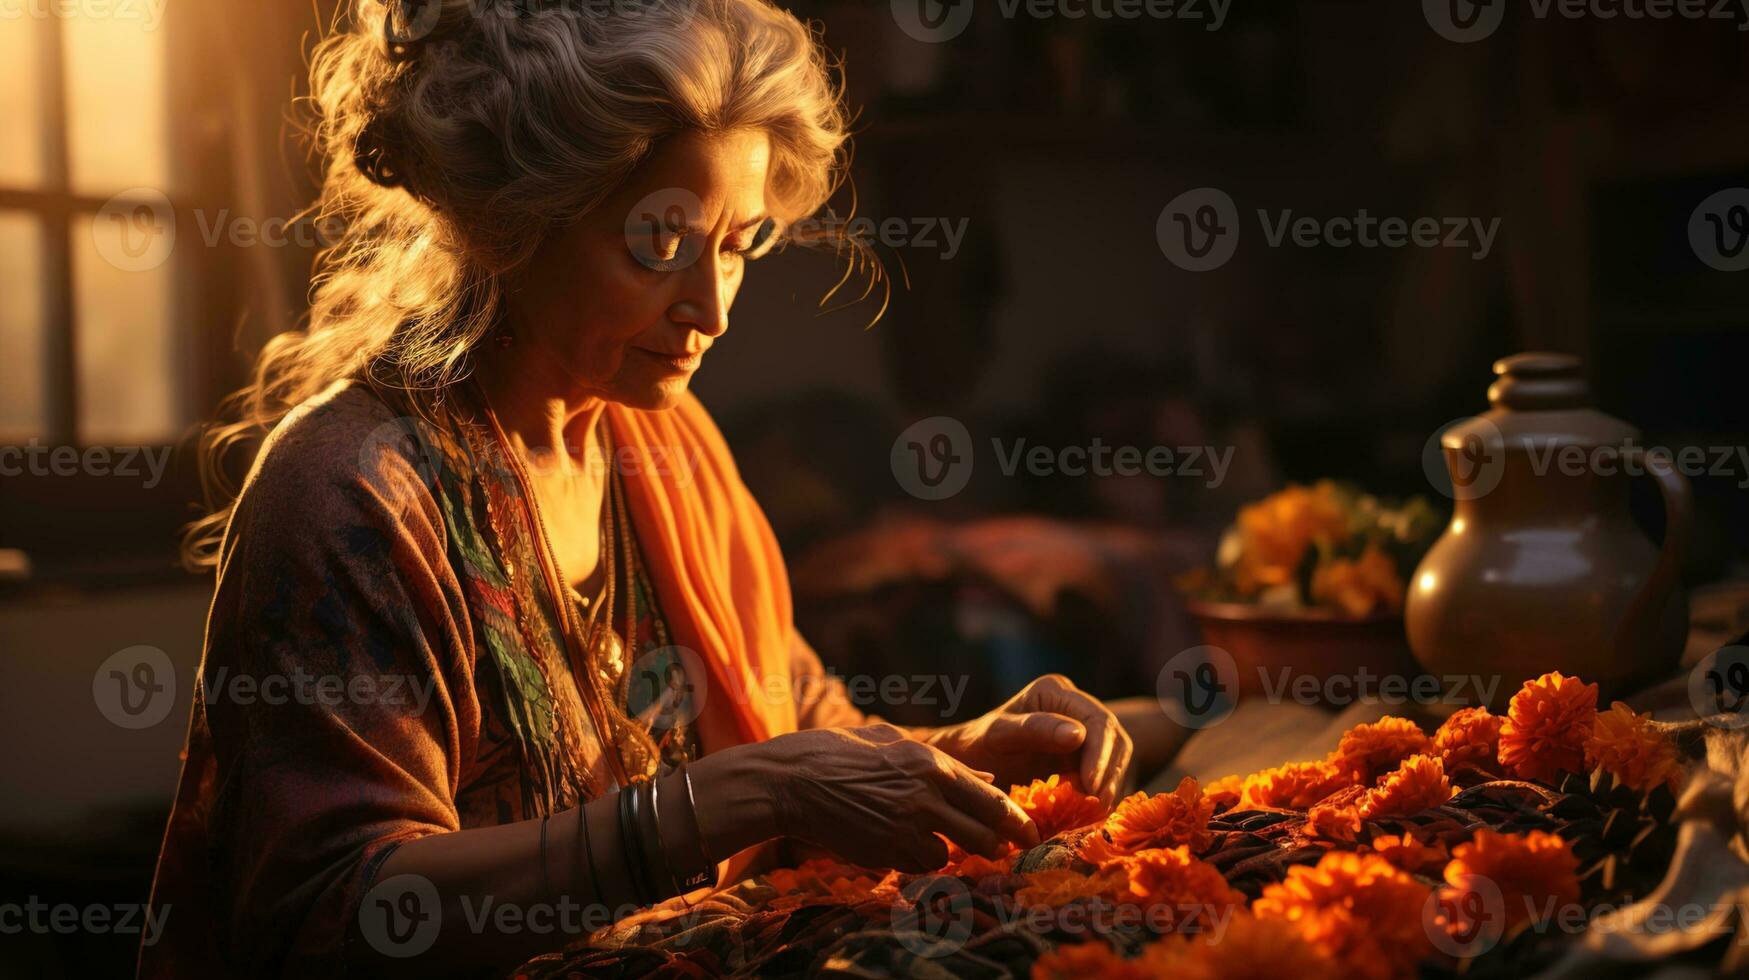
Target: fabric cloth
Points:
x,y
383,661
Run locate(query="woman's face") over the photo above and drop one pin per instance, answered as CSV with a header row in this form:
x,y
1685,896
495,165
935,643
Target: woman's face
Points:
x,y
623,303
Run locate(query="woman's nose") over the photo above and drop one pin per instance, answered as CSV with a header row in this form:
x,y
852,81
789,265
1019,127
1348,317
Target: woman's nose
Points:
x,y
705,299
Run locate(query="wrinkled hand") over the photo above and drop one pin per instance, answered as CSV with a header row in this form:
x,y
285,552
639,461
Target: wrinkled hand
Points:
x,y
1051,726
877,798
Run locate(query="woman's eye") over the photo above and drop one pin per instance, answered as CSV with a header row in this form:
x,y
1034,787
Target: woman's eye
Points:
x,y
762,241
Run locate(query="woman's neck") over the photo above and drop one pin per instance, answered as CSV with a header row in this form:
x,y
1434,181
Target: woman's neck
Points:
x,y
541,412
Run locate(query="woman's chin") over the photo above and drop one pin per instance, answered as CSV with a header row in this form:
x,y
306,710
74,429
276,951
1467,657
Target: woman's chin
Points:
x,y
656,395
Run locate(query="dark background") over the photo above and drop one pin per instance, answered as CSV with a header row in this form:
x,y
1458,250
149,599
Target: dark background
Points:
x,y
1058,142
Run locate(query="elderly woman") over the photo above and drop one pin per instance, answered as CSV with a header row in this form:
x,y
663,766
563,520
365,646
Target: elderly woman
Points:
x,y
496,619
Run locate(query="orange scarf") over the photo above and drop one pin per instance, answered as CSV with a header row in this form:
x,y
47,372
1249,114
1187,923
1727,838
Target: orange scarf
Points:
x,y
715,565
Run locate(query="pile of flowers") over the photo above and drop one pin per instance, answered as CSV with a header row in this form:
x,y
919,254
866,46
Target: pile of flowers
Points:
x,y
1326,545
1468,849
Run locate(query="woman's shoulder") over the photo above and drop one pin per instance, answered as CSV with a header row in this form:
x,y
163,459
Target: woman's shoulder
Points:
x,y
342,450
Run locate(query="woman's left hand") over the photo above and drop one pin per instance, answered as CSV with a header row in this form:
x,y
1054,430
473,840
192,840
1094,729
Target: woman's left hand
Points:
x,y
1051,726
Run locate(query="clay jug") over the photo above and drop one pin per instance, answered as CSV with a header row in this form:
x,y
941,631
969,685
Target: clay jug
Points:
x,y
1542,567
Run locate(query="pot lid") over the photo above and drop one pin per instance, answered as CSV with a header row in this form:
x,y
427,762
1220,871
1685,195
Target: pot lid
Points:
x,y
1540,399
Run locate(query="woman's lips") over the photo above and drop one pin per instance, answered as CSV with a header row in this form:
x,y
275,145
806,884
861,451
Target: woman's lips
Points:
x,y
677,363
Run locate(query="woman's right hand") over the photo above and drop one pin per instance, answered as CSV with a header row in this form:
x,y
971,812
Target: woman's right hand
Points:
x,y
877,798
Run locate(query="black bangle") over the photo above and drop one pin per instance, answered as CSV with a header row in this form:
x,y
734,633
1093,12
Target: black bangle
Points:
x,y
631,850
588,851
657,854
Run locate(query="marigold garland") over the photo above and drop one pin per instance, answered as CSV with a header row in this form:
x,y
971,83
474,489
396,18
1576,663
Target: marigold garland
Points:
x,y
1535,873
1056,805
1245,947
1367,751
1076,961
1358,909
1175,887
1626,745
1409,853
1297,785
1470,737
1418,784
1144,821
1547,726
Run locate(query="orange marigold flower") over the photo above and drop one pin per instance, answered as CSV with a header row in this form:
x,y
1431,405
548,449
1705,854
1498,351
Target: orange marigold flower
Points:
x,y
1535,872
1417,784
1547,726
1224,791
1359,586
1092,959
1296,785
1275,532
1061,886
1055,805
1410,854
1366,751
1470,737
1175,887
1626,744
1143,821
1249,948
1338,816
1358,909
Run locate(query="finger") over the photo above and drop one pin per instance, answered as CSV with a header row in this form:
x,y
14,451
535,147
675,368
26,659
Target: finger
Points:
x,y
1096,756
1120,762
971,835
920,852
1038,731
986,804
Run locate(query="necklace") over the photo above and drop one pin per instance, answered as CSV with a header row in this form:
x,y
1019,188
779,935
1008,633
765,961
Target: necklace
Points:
x,y
578,637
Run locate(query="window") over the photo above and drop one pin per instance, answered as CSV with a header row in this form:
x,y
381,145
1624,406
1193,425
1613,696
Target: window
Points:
x,y
88,267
